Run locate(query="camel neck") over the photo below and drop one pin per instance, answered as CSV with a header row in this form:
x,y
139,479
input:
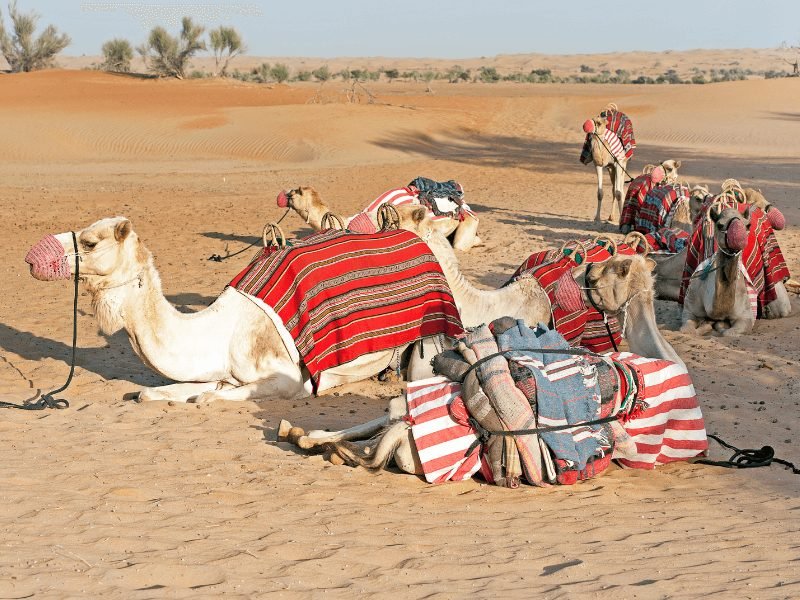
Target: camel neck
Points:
x,y
641,330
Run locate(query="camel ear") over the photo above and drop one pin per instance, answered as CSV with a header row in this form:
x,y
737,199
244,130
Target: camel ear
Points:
x,y
651,264
677,164
714,213
122,230
418,215
624,267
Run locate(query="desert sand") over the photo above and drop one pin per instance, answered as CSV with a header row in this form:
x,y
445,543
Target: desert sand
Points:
x,y
123,500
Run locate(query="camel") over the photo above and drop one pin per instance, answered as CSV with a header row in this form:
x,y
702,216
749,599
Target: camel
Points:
x,y
717,296
622,285
604,159
308,203
229,351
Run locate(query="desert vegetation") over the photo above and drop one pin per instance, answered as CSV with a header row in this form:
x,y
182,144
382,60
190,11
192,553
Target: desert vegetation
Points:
x,y
22,49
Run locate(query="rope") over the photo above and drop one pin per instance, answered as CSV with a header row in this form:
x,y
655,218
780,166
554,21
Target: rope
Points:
x,y
219,258
747,458
48,400
602,141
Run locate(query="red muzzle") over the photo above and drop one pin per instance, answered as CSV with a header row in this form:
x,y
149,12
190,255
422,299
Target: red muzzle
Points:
x,y
282,200
588,126
776,218
736,236
48,260
361,223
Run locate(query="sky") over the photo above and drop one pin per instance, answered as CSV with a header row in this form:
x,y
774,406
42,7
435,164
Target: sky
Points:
x,y
436,28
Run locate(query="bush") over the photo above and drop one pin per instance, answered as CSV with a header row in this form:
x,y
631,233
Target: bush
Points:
x,y
698,78
118,54
322,74
391,74
226,43
586,69
21,50
488,75
279,72
168,56
303,76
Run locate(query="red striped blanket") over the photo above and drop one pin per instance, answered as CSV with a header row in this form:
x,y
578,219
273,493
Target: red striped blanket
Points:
x,y
666,239
621,126
762,257
580,323
668,424
658,207
343,295
634,198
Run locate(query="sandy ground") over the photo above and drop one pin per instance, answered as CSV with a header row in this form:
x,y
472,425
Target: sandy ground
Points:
x,y
123,500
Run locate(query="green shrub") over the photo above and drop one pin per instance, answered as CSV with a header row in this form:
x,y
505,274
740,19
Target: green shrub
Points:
x,y
169,56
118,54
21,50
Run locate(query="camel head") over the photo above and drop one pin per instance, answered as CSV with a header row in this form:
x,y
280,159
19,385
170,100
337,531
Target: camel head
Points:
x,y
671,170
731,228
697,199
415,218
305,200
110,258
611,284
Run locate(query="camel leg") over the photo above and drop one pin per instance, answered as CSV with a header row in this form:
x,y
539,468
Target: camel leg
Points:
x,y
397,442
277,385
617,176
177,392
397,410
599,192
780,307
466,233
738,327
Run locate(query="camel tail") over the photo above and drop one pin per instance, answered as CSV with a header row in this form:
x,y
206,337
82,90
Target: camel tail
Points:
x,y
388,442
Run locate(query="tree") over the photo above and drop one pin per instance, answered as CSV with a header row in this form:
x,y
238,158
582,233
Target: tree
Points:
x,y
226,44
391,74
21,50
118,54
489,75
168,56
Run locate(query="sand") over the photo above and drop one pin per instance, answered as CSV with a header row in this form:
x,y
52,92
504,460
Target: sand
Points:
x,y
122,500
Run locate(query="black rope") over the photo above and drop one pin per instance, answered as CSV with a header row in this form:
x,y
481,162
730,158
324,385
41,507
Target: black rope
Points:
x,y
601,311
48,400
747,458
220,258
602,141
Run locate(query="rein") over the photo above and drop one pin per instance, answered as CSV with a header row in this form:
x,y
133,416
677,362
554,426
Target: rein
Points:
x,y
602,312
621,166
48,400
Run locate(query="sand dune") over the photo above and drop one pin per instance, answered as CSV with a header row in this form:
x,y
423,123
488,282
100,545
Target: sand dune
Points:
x,y
116,499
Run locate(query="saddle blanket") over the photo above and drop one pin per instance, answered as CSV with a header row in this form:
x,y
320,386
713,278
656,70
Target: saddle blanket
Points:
x,y
620,127
342,295
666,240
409,195
658,207
579,322
634,197
668,427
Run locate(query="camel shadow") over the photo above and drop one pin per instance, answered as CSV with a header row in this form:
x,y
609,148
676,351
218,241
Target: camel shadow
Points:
x,y
497,151
116,361
187,299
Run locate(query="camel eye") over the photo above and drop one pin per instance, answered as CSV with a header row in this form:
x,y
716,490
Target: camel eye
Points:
x,y
89,245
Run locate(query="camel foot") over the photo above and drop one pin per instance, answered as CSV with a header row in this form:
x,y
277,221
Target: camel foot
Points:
x,y
303,441
283,430
333,458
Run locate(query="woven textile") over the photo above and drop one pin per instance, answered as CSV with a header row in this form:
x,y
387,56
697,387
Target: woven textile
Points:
x,y
342,295
441,433
658,206
621,127
667,239
410,195
669,427
47,260
634,198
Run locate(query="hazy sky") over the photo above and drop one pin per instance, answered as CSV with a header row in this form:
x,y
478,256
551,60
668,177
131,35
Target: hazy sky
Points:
x,y
437,28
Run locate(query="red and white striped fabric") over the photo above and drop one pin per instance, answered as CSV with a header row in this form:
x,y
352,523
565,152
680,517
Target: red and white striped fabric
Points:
x,y
405,195
440,439
671,426
614,144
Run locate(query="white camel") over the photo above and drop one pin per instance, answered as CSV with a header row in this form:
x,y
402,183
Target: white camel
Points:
x,y
229,351
308,203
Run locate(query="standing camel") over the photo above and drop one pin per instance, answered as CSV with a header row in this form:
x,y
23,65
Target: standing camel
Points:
x,y
606,149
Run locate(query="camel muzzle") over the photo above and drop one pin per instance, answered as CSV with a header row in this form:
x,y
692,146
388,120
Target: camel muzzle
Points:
x,y
736,236
775,218
282,200
48,260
